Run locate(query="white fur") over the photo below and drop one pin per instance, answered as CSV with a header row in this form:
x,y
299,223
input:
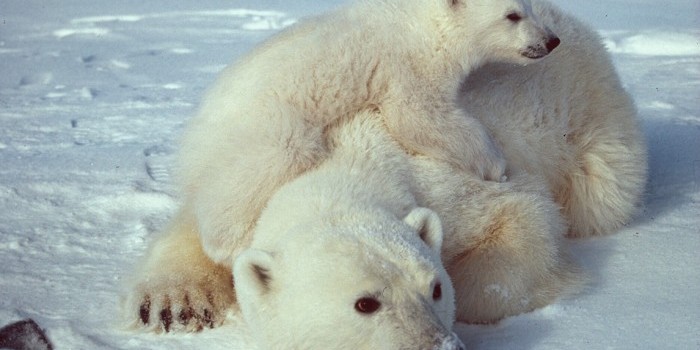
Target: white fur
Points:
x,y
265,120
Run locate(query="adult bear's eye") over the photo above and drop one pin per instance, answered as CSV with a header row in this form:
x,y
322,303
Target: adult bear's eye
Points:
x,y
437,291
367,305
514,17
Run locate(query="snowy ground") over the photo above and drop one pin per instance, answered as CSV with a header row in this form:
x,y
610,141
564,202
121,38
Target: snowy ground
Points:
x,y
94,93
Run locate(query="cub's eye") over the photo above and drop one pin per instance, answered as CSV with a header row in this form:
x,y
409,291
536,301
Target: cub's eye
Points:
x,y
437,292
367,305
514,17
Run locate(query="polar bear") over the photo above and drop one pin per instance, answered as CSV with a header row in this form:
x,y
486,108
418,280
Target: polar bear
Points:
x,y
264,121
343,258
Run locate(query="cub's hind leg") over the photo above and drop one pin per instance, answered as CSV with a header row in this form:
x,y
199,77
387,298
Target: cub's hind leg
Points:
x,y
606,182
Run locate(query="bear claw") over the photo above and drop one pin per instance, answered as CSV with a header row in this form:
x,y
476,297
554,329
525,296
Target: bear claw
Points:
x,y
144,311
166,318
185,316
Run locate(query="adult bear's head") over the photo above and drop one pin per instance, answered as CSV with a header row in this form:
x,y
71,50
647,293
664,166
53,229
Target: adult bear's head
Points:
x,y
356,281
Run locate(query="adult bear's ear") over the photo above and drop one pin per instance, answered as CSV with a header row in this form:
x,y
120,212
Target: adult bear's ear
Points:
x,y
253,274
427,223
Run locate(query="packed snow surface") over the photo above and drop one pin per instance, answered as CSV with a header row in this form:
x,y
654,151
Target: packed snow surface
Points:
x,y
93,96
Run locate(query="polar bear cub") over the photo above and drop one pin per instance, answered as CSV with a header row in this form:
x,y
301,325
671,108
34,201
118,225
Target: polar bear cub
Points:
x,y
343,258
265,120
566,125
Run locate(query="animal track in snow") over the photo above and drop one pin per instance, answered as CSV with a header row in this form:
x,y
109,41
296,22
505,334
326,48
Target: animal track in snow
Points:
x,y
158,163
113,129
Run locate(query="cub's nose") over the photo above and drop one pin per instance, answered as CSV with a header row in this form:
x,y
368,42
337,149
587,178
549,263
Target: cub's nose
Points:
x,y
552,43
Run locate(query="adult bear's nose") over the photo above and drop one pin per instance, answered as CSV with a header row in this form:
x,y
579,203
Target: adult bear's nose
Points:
x,y
552,43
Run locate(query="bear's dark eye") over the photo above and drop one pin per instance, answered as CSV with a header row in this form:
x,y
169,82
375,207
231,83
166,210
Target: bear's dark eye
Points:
x,y
437,292
367,305
514,17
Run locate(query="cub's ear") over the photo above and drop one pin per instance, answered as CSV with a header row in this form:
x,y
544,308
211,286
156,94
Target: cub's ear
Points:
x,y
253,274
427,223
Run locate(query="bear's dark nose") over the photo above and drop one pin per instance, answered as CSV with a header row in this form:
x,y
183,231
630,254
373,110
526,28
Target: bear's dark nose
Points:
x,y
553,43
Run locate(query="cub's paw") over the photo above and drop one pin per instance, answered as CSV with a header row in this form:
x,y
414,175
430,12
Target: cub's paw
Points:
x,y
183,303
483,155
490,165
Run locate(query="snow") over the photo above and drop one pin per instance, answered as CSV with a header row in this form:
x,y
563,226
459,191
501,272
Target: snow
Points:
x,y
93,96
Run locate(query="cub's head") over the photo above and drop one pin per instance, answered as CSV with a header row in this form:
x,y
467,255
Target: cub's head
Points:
x,y
482,31
350,283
